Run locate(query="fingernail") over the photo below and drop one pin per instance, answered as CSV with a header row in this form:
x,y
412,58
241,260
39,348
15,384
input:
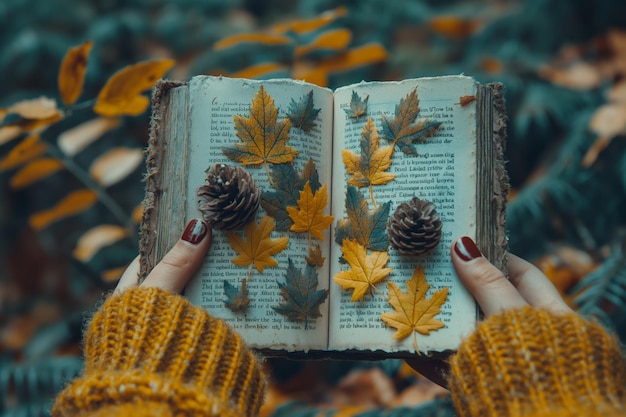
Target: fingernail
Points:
x,y
466,249
195,231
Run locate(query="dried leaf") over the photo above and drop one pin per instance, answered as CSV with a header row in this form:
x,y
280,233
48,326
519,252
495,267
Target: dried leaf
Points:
x,y
137,214
8,133
115,165
367,227
258,38
465,100
453,26
29,148
35,171
309,173
41,108
113,274
264,137
327,43
578,76
365,270
301,26
265,70
72,73
352,59
30,115
315,257
617,92
607,122
258,247
74,140
236,300
369,168
413,311
358,107
301,113
308,216
287,183
121,95
302,298
401,129
97,238
73,203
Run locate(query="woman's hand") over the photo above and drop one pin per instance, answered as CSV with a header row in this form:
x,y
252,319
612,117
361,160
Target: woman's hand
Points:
x,y
177,266
526,284
494,292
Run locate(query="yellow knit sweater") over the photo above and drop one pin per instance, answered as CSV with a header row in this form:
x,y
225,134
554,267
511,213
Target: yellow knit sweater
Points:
x,y
151,353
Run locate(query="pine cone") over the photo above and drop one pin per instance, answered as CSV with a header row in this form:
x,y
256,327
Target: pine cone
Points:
x,y
230,199
414,228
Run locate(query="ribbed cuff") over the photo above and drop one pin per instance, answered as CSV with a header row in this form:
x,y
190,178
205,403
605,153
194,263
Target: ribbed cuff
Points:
x,y
529,362
149,346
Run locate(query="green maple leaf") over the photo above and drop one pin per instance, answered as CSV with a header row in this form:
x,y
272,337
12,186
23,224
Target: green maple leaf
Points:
x,y
358,107
367,227
287,183
301,112
402,130
302,298
237,300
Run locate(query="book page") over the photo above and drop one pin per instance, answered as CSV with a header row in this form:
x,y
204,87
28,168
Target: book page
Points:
x,y
442,172
214,101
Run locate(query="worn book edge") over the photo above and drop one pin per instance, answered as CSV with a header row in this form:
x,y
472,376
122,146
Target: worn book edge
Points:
x,y
155,241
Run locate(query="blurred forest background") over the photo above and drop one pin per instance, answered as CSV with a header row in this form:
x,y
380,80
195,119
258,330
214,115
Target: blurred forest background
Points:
x,y
70,195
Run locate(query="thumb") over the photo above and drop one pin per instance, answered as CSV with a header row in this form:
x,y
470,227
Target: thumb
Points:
x,y
491,289
181,263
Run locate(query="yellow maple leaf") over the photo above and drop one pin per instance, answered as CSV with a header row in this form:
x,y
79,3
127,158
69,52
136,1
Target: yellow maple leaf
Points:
x,y
308,216
264,137
72,73
365,270
121,95
258,247
413,312
369,168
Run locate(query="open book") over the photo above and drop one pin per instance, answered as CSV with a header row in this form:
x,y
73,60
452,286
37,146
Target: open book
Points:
x,y
297,281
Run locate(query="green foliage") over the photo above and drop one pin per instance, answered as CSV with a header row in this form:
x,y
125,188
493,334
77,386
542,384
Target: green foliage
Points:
x,y
302,299
301,112
27,389
602,293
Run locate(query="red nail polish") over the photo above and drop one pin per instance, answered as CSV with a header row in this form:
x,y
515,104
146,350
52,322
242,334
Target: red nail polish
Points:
x,y
466,249
195,231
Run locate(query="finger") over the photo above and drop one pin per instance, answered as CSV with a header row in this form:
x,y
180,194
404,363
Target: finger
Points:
x,y
534,286
491,289
130,277
181,263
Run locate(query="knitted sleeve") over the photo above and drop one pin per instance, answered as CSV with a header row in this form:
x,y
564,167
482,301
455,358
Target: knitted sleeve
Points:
x,y
530,362
148,352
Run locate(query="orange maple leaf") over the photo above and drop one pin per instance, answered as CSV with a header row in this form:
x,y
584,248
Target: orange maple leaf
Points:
x,y
258,246
121,95
308,216
264,137
365,270
413,312
369,168
72,73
